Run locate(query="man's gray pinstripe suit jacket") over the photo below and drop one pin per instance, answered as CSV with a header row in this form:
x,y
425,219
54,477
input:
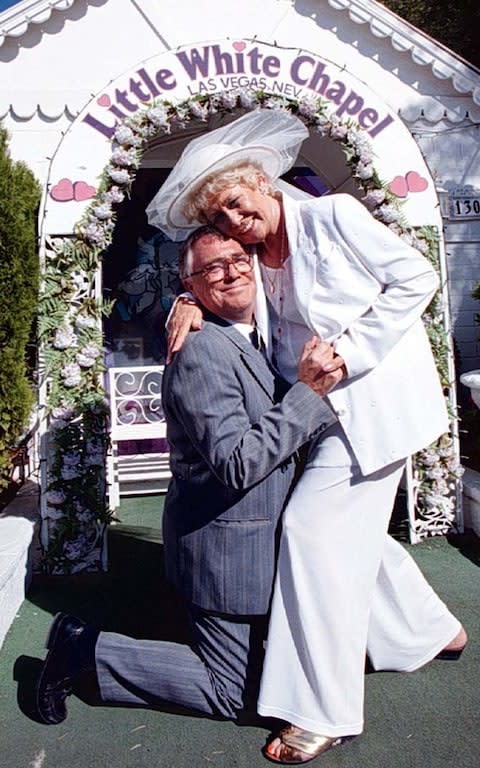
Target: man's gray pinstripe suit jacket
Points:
x,y
231,445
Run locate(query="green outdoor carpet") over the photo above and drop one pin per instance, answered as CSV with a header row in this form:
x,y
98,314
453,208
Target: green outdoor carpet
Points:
x,y
428,719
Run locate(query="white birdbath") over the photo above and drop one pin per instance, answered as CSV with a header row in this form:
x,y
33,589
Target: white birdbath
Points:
x,y
471,379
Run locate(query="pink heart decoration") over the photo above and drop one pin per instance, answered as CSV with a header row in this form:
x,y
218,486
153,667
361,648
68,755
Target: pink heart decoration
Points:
x,y
238,46
104,100
83,191
62,192
399,186
415,182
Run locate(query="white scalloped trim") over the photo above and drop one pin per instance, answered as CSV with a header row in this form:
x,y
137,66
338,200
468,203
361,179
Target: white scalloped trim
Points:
x,y
17,19
423,49
382,24
59,105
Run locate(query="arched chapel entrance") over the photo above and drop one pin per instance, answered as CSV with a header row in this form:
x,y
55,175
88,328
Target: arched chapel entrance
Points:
x,y
99,196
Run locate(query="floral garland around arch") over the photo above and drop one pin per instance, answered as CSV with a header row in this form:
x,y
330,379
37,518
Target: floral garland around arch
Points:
x,y
75,509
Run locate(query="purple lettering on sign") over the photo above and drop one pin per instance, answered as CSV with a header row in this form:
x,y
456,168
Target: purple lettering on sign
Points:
x,y
165,79
238,67
107,130
196,65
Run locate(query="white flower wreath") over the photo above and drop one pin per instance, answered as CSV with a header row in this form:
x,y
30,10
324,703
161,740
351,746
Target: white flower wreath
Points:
x,y
71,337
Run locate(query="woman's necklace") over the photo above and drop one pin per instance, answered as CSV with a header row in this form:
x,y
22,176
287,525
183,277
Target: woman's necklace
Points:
x,y
275,282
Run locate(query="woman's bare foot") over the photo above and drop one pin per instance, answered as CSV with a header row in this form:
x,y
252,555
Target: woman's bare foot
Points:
x,y
294,746
454,649
459,642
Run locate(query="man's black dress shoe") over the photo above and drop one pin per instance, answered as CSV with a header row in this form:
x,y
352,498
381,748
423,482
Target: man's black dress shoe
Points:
x,y
71,651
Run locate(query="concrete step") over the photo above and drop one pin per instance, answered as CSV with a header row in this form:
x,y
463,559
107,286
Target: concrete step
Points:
x,y
19,550
471,500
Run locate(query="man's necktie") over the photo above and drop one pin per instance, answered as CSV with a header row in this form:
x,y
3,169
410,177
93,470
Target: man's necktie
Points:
x,y
257,341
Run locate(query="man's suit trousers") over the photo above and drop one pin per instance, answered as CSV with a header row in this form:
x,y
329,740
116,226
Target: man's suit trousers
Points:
x,y
218,674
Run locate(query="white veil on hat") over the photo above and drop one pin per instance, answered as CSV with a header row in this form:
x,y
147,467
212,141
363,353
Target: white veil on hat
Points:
x,y
269,138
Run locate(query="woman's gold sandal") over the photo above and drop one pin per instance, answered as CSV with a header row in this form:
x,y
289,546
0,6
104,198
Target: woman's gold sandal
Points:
x,y
295,740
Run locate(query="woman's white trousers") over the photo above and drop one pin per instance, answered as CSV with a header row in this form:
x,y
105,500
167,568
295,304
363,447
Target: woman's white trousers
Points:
x,y
344,587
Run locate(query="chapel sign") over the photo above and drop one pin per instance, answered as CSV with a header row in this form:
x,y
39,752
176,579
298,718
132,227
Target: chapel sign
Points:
x,y
236,67
213,67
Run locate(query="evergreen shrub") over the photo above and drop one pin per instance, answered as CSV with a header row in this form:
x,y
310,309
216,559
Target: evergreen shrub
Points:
x,y
19,276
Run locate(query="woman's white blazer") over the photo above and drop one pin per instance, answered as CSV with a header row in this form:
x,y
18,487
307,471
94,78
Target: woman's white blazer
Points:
x,y
360,286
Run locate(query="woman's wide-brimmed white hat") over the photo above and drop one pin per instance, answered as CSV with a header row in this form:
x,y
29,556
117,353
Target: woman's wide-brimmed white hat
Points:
x,y
269,138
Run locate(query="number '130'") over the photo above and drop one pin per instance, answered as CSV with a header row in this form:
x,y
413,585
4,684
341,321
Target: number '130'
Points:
x,y
467,207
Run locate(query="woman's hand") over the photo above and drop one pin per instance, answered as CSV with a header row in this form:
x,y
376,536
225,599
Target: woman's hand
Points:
x,y
186,316
320,368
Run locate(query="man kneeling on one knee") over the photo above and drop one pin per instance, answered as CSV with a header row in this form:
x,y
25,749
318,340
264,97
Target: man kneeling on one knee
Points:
x,y
233,429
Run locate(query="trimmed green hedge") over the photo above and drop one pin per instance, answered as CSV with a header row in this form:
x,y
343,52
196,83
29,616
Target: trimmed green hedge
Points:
x,y
19,275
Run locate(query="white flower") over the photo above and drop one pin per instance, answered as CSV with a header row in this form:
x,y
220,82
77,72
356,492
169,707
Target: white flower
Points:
x,y
87,355
113,195
124,157
70,473
73,550
248,98
158,116
228,99
361,142
84,361
440,485
85,321
124,135
373,198
145,131
198,110
365,155
63,412
436,473
308,106
93,445
364,172
92,558
103,211
71,459
118,176
338,132
65,338
353,136
180,118
429,458
54,514
446,451
71,375
94,234
455,468
96,459
388,213
280,104
55,497
91,350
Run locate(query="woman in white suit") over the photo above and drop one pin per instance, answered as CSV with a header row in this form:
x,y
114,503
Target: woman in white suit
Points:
x,y
344,587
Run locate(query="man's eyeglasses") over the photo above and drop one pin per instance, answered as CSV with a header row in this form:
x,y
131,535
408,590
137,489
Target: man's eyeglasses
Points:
x,y
217,270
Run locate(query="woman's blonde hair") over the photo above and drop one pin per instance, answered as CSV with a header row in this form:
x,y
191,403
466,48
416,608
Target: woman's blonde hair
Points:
x,y
210,186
